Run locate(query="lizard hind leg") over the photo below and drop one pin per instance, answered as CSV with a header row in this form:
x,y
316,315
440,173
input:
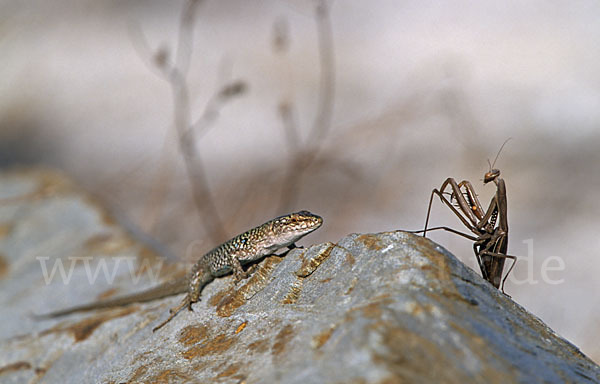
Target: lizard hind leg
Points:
x,y
186,302
198,280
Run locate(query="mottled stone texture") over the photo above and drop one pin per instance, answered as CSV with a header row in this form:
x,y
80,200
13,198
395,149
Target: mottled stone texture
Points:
x,y
372,308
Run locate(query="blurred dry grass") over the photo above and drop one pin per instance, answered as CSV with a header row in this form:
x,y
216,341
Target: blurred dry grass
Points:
x,y
422,92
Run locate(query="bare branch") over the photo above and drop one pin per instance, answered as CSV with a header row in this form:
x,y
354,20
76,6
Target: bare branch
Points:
x,y
176,75
193,162
158,61
185,39
322,123
160,186
281,35
217,101
286,112
306,153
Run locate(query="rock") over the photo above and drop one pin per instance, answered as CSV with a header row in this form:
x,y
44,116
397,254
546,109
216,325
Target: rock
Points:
x,y
372,308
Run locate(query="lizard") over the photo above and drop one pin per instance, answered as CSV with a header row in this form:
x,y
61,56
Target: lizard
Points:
x,y
250,246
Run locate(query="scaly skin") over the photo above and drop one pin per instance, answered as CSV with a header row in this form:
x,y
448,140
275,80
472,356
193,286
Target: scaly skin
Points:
x,y
230,256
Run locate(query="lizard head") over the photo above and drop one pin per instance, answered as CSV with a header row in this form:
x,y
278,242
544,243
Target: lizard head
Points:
x,y
288,229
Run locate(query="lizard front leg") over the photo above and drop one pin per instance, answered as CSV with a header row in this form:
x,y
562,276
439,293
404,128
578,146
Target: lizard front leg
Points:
x,y
250,270
238,271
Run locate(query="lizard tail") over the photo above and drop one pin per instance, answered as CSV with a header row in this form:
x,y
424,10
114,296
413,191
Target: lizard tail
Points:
x,y
167,289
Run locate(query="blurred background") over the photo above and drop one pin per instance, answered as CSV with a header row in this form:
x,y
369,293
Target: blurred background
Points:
x,y
194,121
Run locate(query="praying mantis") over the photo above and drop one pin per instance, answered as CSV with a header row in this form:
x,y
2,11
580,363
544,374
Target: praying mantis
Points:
x,y
490,227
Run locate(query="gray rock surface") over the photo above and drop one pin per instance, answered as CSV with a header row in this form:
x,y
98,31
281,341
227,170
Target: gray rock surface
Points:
x,y
372,308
